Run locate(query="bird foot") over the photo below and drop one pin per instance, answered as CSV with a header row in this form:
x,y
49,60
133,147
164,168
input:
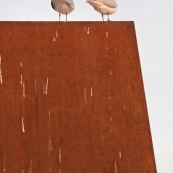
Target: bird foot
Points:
x,y
59,17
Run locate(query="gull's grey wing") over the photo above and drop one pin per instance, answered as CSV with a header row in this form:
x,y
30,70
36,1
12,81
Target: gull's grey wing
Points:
x,y
70,2
110,3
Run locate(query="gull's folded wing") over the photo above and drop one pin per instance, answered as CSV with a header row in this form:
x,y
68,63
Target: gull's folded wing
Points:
x,y
70,2
110,3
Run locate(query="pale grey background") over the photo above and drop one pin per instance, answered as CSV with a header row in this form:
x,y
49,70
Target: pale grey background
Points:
x,y
154,28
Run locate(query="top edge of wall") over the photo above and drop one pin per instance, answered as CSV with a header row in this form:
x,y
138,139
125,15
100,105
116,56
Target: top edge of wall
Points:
x,y
66,22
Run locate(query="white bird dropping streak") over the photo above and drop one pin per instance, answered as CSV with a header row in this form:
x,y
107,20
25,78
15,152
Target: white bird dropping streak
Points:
x,y
44,88
50,169
107,34
47,83
21,79
36,87
30,166
49,124
111,119
56,34
85,96
88,31
21,64
49,119
91,91
120,155
124,107
60,155
110,72
4,169
115,167
23,89
23,126
0,72
50,148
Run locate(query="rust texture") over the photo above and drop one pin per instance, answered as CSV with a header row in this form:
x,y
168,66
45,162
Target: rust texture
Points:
x,y
72,99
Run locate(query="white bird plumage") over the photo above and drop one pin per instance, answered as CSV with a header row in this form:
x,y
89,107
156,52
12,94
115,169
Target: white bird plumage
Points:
x,y
105,7
63,6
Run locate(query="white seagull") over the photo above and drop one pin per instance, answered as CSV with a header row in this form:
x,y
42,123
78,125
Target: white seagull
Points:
x,y
105,7
63,6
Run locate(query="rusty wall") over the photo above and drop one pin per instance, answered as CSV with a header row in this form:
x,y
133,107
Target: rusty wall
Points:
x,y
72,99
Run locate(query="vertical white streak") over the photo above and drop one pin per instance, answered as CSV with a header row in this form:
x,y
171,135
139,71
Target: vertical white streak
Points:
x,y
124,107
120,155
49,120
109,98
22,171
111,119
85,96
23,89
60,155
21,76
88,30
115,167
91,91
110,72
30,166
50,148
44,88
23,126
4,169
49,130
59,170
1,80
54,39
21,79
36,87
47,83
107,34
56,34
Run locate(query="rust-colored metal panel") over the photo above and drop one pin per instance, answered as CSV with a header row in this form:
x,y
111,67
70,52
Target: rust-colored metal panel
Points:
x,y
72,99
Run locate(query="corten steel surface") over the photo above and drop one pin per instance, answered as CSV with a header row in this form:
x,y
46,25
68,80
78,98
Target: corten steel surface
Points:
x,y
72,99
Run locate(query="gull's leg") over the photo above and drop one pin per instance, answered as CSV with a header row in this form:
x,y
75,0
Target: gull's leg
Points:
x,y
102,17
66,16
108,16
59,17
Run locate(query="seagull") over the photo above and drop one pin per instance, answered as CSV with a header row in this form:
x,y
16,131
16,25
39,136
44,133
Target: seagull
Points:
x,y
105,7
63,6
